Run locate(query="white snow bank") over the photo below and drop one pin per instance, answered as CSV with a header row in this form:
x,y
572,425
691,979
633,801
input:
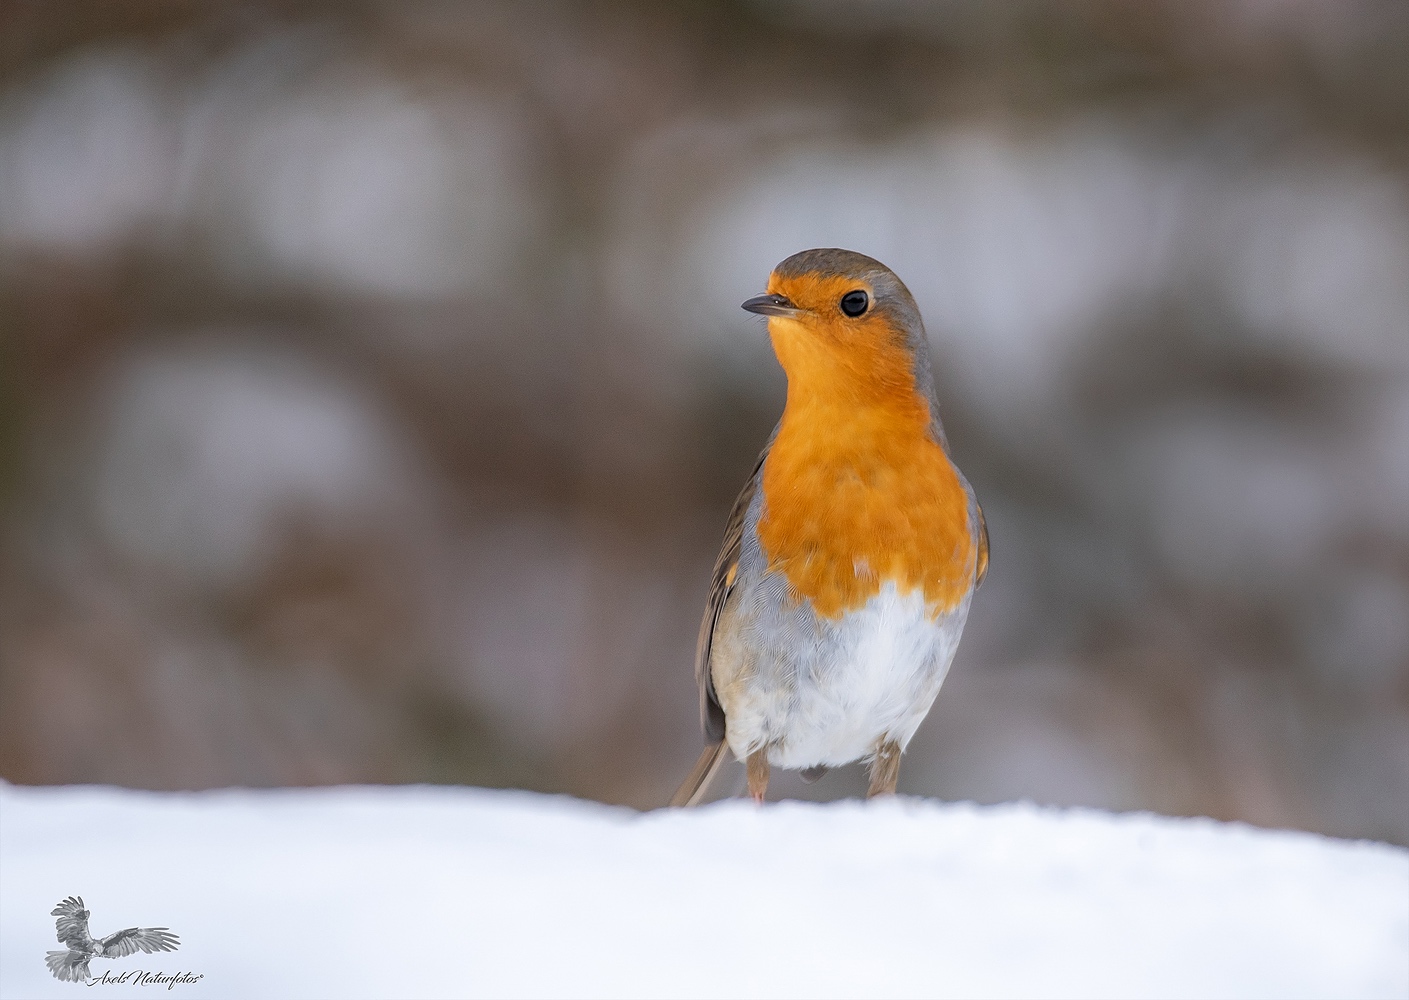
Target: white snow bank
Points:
x,y
422,892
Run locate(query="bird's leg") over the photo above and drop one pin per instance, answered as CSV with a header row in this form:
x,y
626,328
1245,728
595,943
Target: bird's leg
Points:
x,y
758,774
885,769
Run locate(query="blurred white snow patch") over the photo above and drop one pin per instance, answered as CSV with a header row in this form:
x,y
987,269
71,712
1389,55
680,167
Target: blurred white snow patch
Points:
x,y
460,892
359,184
1320,260
208,454
1012,244
86,154
333,175
1021,247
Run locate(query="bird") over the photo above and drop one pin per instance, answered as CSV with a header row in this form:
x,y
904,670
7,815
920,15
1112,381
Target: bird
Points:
x,y
852,554
72,926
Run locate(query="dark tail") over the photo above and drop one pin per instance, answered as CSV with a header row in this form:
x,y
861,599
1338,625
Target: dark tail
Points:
x,y
692,789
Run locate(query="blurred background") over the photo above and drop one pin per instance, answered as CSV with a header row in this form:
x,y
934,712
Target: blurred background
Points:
x,y
373,387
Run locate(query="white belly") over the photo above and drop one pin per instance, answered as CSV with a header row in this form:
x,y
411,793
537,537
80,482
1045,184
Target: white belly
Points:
x,y
832,698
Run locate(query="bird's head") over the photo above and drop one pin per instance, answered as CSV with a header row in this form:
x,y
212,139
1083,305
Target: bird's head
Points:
x,y
843,323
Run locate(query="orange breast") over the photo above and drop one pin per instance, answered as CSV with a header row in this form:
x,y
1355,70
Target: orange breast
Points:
x,y
856,494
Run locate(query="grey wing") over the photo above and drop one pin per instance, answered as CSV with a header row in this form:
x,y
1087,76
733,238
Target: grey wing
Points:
x,y
726,569
72,925
68,966
147,939
939,437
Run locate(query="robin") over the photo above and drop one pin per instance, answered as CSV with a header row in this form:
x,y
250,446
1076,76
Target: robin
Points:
x,y
851,555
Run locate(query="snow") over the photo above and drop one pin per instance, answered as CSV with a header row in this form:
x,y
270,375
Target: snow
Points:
x,y
424,892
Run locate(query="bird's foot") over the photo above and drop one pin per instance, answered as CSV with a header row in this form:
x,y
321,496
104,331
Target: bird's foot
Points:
x,y
758,774
885,769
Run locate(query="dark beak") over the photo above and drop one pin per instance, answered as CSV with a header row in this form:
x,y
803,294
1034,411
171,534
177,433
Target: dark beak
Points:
x,y
771,305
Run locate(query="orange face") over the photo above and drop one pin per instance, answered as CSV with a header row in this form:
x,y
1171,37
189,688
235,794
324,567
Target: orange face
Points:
x,y
856,491
823,349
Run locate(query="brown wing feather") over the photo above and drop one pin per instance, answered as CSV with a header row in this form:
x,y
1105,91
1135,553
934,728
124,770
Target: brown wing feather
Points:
x,y
721,585
696,783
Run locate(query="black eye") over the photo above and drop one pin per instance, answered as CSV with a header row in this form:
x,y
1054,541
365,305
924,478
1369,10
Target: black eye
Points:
x,y
855,303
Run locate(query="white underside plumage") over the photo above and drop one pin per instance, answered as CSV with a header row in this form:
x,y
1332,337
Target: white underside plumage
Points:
x,y
818,692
